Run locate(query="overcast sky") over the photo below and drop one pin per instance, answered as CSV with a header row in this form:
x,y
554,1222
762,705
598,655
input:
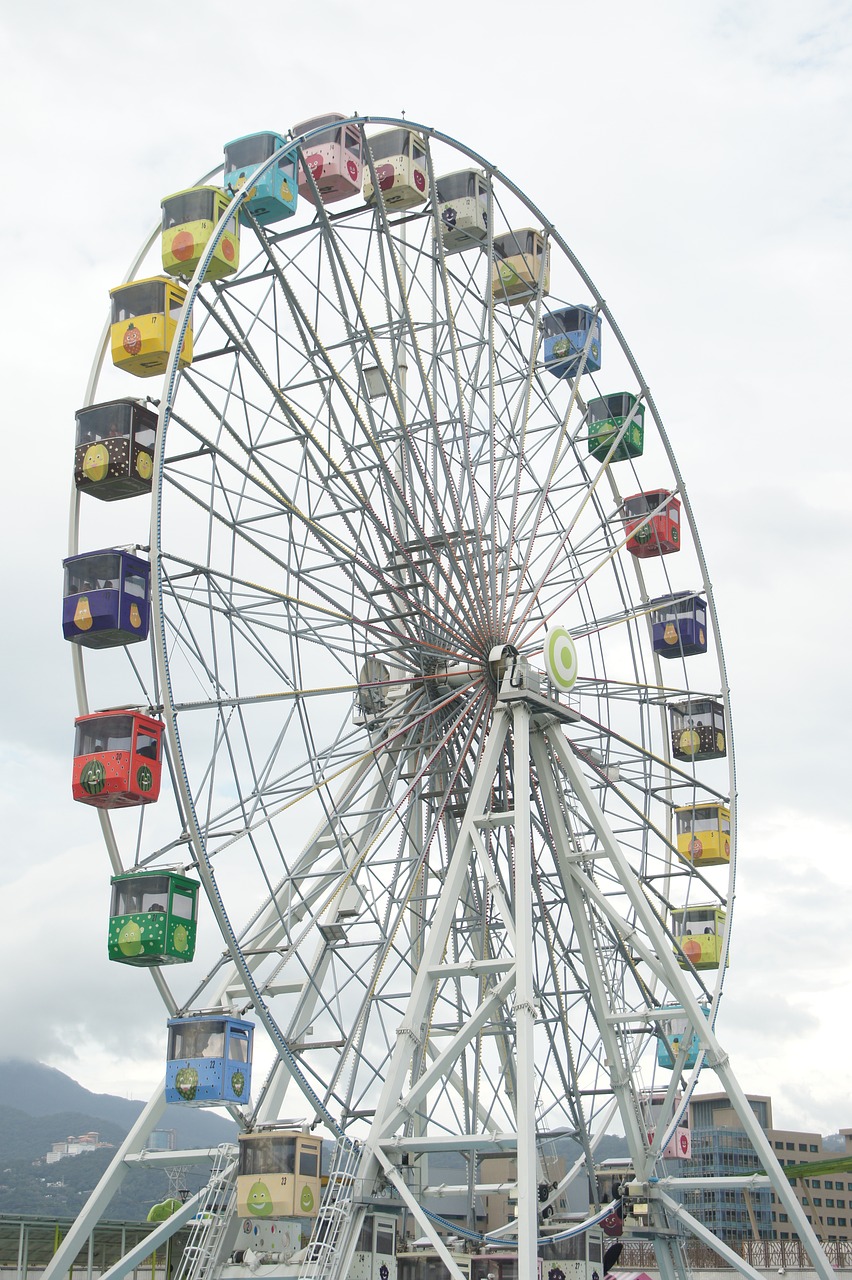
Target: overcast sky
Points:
x,y
697,159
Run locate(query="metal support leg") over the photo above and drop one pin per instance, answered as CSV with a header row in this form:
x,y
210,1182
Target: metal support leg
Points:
x,y
525,1012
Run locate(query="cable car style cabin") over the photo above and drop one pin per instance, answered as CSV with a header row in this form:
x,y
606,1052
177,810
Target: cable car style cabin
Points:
x,y
278,1175
568,334
426,1264
672,1043
652,523
698,931
462,209
496,1266
679,625
399,159
275,195
679,1145
189,220
698,729
704,834
579,1257
375,1251
334,157
105,599
607,415
144,322
521,266
117,759
152,918
114,453
209,1060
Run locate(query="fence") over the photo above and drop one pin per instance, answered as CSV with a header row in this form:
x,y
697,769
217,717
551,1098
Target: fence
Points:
x,y
638,1255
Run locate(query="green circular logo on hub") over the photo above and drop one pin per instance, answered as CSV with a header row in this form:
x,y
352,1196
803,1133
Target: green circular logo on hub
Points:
x,y
93,777
560,658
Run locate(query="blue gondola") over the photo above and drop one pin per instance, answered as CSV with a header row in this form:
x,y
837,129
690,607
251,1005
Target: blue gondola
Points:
x,y
679,624
106,599
209,1060
670,1037
276,194
567,334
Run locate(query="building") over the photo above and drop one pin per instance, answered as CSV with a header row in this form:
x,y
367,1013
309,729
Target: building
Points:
x,y
720,1147
76,1146
161,1140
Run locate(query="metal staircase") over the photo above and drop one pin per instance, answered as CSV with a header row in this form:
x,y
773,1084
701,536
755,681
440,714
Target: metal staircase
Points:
x,y
208,1227
322,1258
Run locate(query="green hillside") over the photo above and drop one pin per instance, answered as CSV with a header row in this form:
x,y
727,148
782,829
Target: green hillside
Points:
x,y
44,1106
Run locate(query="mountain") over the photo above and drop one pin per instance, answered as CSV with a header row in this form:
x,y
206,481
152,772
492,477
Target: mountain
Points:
x,y
37,1090
42,1105
31,1091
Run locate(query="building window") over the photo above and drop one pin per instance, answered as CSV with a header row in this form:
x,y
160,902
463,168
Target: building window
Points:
x,y
829,1204
803,1146
785,1235
815,1182
782,1217
841,1204
813,1147
779,1146
831,1222
790,1146
817,1201
841,1222
828,1185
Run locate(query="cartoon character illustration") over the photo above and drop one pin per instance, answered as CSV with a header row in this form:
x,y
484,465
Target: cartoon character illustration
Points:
x,y
96,462
132,340
93,777
186,1083
259,1201
130,939
83,614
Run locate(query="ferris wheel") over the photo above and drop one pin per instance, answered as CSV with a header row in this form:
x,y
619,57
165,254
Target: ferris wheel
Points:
x,y
433,681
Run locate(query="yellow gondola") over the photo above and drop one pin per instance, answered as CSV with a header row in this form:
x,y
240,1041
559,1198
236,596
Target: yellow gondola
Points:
x,y
704,834
189,220
144,320
699,932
